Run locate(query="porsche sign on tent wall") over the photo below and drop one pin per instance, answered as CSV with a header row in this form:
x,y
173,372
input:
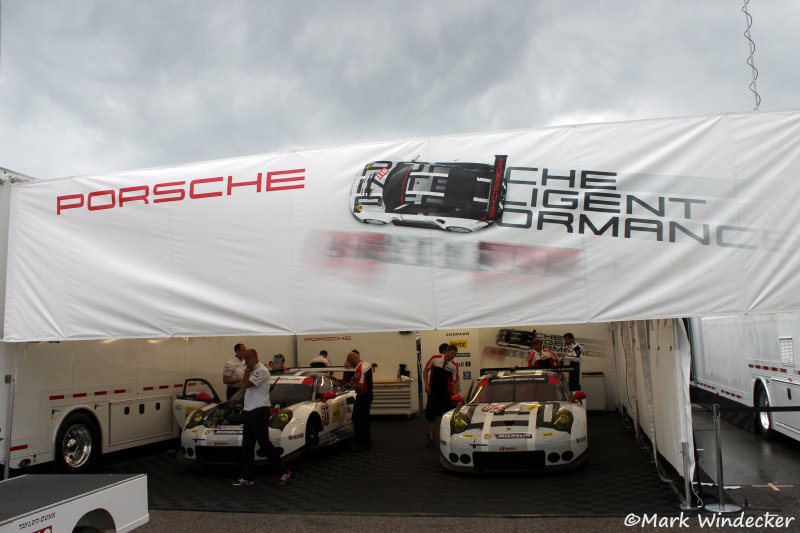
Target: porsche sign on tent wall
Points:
x,y
655,218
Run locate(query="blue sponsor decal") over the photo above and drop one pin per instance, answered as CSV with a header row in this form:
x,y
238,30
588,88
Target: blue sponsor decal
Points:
x,y
512,436
295,437
580,439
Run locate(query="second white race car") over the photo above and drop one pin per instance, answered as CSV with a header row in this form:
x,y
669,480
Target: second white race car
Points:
x,y
311,409
515,420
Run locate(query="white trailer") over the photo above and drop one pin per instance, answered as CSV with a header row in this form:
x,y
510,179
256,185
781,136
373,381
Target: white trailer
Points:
x,y
751,360
71,401
50,503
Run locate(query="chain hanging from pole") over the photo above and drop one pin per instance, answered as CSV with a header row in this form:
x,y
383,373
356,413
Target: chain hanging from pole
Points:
x,y
753,68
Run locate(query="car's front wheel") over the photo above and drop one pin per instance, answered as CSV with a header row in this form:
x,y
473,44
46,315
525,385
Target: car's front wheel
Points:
x,y
312,434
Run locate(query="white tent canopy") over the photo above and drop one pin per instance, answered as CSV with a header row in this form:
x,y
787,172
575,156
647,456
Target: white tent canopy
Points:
x,y
607,222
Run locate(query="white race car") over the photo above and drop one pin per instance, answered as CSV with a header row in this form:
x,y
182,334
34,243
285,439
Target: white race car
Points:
x,y
459,197
515,420
311,409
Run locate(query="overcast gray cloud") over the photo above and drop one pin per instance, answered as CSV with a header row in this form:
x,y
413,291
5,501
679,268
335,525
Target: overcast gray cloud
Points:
x,y
89,87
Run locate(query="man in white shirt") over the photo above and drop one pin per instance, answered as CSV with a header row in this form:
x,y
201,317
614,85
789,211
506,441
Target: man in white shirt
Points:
x,y
572,356
233,371
257,409
321,360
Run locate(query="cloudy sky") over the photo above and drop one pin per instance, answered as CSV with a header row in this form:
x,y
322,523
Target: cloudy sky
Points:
x,y
91,86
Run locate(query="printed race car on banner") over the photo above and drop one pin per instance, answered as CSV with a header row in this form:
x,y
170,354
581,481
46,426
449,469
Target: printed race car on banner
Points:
x,y
517,338
459,197
310,409
515,420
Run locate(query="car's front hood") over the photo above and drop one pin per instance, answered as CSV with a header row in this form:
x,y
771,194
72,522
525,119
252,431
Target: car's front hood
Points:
x,y
515,419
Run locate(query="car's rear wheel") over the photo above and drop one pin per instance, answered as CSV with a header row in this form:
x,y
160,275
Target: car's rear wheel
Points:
x,y
374,221
458,229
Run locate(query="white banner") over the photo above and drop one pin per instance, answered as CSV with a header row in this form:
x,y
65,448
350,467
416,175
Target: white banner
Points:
x,y
632,220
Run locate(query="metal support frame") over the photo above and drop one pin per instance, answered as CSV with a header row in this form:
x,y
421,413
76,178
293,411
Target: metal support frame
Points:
x,y
721,506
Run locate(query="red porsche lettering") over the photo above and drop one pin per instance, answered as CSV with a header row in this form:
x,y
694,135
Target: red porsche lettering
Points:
x,y
176,191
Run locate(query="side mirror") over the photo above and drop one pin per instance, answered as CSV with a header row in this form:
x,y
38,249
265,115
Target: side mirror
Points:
x,y
578,396
327,395
457,400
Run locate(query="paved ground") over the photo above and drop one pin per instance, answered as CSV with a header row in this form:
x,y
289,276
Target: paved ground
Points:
x,y
404,489
399,476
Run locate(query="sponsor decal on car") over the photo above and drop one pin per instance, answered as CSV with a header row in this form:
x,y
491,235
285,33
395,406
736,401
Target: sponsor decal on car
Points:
x,y
548,434
508,448
580,439
297,436
220,443
491,408
513,436
336,412
227,432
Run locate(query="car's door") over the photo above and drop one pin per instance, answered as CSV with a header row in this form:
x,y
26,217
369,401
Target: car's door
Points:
x,y
334,410
196,393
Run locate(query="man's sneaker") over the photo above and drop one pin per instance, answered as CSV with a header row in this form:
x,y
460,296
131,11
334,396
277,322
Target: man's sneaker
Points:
x,y
242,482
284,477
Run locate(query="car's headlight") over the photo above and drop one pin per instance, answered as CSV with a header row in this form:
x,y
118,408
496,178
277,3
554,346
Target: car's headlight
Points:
x,y
280,419
459,422
357,208
563,420
195,419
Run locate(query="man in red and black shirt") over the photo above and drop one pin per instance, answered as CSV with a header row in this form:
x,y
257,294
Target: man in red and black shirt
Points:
x,y
540,358
362,383
441,382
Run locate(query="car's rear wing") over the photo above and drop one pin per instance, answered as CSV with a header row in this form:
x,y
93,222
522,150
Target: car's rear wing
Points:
x,y
517,368
498,187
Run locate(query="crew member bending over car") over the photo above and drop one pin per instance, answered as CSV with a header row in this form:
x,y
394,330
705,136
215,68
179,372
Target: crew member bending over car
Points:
x,y
256,417
540,358
321,360
441,382
361,381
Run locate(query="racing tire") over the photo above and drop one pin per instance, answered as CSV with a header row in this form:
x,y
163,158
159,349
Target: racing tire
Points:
x,y
312,434
763,419
77,443
458,229
374,221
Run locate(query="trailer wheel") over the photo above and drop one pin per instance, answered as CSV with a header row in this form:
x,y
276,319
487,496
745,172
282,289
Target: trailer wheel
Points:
x,y
763,418
77,443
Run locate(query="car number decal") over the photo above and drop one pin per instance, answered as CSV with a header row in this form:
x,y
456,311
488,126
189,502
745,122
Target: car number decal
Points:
x,y
326,415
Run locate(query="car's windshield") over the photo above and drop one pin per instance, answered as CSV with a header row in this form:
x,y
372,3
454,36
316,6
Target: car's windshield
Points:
x,y
545,388
284,394
393,186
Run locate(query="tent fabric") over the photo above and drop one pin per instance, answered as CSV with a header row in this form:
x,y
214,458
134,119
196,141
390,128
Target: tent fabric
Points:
x,y
602,222
652,360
